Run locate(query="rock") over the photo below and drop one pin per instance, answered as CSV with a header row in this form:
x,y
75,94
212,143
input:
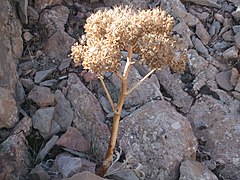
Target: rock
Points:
x,y
235,2
27,65
237,88
142,94
236,14
215,28
42,119
42,75
210,3
27,36
182,29
8,109
142,4
219,17
173,86
22,10
33,16
58,45
74,140
125,174
236,29
218,124
199,46
86,175
236,95
157,134
68,166
89,116
228,36
19,93
88,165
48,146
54,19
195,170
11,45
202,33
14,157
27,83
55,128
38,173
48,83
206,77
42,96
41,4
63,111
23,126
65,63
230,53
105,104
89,76
237,39
223,80
197,63
178,10
234,76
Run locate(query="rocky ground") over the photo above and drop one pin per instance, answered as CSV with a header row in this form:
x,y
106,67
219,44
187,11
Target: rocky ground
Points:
x,y
55,117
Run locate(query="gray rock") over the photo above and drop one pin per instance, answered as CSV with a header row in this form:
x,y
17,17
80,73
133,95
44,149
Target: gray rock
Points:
x,y
42,75
63,111
42,119
58,45
125,174
26,65
55,128
54,19
223,80
89,116
215,28
236,95
173,85
236,29
33,16
86,175
200,47
42,96
39,5
218,124
14,157
219,17
236,14
202,33
48,146
38,173
68,166
65,63
210,3
11,45
237,40
157,134
19,93
48,83
24,126
230,53
142,4
195,170
228,36
8,109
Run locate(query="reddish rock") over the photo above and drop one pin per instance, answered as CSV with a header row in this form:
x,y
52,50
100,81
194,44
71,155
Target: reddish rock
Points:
x,y
58,45
14,157
8,109
42,96
89,76
202,33
74,140
157,134
88,165
89,116
24,125
234,76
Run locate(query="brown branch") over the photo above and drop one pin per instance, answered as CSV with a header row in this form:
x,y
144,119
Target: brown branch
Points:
x,y
107,93
140,82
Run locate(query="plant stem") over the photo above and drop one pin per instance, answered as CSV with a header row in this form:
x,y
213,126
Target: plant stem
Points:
x,y
140,82
107,93
116,118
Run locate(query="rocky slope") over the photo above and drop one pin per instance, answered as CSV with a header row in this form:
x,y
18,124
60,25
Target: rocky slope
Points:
x,y
55,118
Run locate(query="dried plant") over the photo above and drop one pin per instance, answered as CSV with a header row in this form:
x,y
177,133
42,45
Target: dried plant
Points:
x,y
145,32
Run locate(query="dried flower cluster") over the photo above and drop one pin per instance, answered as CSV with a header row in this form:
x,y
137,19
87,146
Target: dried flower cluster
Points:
x,y
111,31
